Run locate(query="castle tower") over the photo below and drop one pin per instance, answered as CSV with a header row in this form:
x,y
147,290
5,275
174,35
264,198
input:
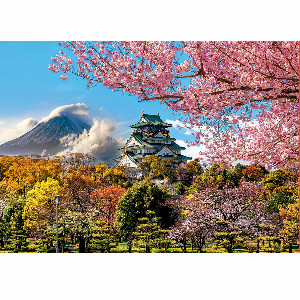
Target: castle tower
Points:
x,y
150,136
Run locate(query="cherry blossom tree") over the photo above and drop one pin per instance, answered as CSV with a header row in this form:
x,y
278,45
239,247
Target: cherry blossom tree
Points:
x,y
241,98
180,234
228,216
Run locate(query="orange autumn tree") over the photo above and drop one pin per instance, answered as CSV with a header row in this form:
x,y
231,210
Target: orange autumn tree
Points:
x,y
106,199
19,175
252,173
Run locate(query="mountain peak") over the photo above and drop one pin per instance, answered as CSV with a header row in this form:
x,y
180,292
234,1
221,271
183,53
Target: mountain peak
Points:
x,y
46,135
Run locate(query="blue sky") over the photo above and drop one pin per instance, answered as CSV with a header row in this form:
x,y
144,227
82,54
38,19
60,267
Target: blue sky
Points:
x,y
29,90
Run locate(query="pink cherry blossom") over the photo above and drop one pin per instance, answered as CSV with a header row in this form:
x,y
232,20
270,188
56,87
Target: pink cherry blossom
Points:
x,y
63,77
257,83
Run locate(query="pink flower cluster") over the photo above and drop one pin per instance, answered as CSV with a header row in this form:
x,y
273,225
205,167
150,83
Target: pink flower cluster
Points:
x,y
244,93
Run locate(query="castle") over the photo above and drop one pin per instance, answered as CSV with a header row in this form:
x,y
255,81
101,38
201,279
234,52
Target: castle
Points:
x,y
150,136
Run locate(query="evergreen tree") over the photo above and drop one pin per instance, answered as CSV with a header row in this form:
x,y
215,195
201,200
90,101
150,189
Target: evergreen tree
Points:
x,y
149,235
15,234
228,236
102,238
138,199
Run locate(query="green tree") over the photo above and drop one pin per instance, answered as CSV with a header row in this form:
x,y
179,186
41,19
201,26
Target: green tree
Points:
x,y
227,236
143,196
46,243
239,169
15,234
168,169
269,239
149,235
179,188
281,197
103,238
219,175
3,205
275,179
77,225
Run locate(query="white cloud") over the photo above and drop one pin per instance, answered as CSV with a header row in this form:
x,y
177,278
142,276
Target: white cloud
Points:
x,y
15,129
97,141
27,123
178,124
79,109
241,161
191,151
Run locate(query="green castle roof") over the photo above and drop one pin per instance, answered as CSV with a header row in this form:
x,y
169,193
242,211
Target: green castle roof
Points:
x,y
151,120
141,137
138,137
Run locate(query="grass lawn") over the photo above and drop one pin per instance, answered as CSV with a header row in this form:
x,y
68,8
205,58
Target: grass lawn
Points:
x,y
122,248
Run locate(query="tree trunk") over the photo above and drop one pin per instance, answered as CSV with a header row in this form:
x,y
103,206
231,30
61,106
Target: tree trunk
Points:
x,y
184,246
290,248
257,246
72,239
147,249
81,245
1,240
200,247
129,244
230,248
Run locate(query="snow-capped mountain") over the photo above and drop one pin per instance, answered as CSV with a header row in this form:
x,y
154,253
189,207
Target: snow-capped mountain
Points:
x,y
46,136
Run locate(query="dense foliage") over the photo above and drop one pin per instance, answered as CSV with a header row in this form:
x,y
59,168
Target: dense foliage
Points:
x,y
169,208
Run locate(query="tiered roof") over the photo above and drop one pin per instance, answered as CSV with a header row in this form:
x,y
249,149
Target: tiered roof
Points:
x,y
150,137
150,120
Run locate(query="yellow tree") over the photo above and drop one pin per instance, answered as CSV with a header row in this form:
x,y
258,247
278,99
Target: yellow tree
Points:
x,y
115,176
194,168
150,166
290,230
21,174
39,210
154,166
